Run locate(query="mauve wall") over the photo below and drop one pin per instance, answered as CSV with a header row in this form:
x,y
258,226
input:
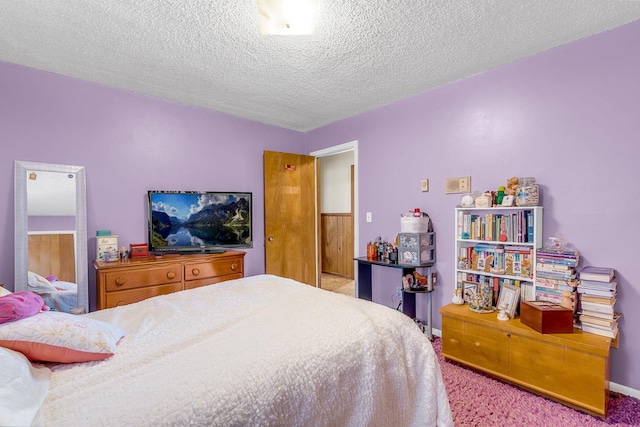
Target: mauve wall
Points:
x,y
129,144
569,117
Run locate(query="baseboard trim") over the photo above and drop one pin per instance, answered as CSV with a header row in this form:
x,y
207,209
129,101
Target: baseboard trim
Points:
x,y
623,389
615,387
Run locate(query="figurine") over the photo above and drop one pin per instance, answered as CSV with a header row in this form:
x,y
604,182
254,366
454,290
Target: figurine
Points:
x,y
499,195
457,297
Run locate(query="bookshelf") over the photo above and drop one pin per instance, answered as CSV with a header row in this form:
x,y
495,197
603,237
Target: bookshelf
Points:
x,y
495,246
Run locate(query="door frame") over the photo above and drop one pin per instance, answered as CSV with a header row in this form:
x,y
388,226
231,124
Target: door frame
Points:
x,y
330,151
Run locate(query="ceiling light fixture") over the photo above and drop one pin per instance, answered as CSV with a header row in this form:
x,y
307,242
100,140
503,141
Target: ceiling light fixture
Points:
x,y
287,17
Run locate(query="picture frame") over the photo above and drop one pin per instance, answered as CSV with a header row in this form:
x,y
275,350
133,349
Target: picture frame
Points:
x,y
507,201
508,299
469,291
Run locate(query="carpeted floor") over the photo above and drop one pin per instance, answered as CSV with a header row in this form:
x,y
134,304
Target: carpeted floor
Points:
x,y
339,284
478,400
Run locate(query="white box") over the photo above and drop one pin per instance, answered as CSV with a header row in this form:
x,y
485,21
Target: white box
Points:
x,y
414,224
106,244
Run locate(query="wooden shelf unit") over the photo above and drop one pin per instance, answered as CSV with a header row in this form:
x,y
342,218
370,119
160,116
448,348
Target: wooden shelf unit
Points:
x,y
136,279
572,369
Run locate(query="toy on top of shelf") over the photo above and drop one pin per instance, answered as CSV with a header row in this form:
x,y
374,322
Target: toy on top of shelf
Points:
x,y
556,242
467,201
512,186
500,195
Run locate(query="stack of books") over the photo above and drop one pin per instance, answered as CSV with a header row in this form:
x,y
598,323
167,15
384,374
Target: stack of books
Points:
x,y
556,276
598,293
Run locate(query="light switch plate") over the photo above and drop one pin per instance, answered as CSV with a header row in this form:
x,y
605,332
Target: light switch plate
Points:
x,y
424,185
465,184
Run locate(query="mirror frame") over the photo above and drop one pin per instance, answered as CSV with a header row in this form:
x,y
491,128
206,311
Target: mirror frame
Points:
x,y
21,223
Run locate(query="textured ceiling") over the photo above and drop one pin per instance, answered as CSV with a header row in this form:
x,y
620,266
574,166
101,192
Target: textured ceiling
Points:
x,y
364,54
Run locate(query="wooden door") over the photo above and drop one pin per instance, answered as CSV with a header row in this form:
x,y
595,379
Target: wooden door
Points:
x,y
290,206
337,243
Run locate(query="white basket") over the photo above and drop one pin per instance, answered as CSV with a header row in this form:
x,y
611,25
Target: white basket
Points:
x,y
413,224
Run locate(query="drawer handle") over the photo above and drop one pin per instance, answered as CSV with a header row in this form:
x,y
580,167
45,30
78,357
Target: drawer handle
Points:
x,y
120,281
195,272
171,275
121,303
234,266
509,334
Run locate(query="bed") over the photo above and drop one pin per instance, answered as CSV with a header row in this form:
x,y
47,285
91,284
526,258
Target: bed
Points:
x,y
258,351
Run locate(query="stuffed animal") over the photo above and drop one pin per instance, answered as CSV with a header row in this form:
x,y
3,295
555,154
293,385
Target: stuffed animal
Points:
x,y
512,186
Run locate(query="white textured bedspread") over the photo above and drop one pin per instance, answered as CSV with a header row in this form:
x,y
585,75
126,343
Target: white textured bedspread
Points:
x,y
259,351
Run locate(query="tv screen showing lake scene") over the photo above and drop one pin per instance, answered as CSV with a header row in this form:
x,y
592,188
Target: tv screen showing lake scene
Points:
x,y
192,219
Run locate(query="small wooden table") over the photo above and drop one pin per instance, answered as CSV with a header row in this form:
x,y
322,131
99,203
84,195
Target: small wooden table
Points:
x,y
364,287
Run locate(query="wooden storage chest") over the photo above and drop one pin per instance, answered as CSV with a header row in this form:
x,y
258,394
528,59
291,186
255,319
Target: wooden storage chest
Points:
x,y
572,369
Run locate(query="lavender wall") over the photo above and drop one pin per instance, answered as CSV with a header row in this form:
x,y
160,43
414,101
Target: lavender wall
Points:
x,y
569,117
129,144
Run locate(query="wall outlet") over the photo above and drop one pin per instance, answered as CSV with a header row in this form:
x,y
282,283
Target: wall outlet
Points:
x,y
424,185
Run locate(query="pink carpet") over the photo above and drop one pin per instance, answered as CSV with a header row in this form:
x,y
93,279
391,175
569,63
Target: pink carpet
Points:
x,y
478,400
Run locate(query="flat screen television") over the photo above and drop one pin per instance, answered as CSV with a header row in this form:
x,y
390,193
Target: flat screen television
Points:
x,y
199,221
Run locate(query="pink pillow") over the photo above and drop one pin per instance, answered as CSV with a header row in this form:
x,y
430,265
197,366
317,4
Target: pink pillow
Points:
x,y
19,305
52,336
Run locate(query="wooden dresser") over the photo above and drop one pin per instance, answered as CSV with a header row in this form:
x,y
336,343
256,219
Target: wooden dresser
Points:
x,y
135,279
570,368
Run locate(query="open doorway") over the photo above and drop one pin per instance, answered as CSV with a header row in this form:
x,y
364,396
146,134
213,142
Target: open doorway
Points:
x,y
337,223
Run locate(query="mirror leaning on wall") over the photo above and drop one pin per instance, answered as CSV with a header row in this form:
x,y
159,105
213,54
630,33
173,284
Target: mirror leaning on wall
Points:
x,y
50,238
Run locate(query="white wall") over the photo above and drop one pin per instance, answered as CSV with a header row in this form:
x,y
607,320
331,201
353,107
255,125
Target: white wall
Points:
x,y
335,176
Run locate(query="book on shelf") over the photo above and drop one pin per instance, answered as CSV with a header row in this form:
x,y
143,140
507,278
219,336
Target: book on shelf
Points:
x,y
553,268
598,274
600,315
598,285
544,295
553,281
515,227
605,293
560,286
530,226
598,330
600,308
527,291
598,299
561,253
568,276
594,320
544,256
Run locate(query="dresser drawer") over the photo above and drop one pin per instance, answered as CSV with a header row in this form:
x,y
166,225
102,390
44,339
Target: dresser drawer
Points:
x,y
137,278
211,280
213,268
130,296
